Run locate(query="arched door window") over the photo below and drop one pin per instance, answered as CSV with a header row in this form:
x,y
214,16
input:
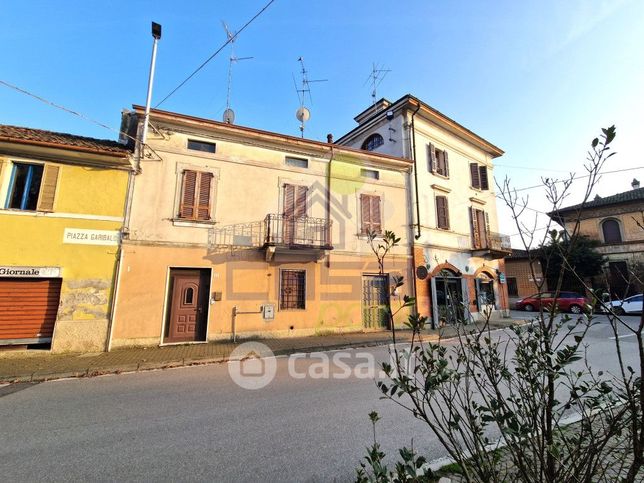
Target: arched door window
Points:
x,y
610,229
372,142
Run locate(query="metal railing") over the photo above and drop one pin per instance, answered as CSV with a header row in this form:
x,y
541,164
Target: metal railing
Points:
x,y
497,242
302,231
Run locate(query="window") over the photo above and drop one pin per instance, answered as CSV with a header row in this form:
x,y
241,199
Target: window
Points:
x,y
442,213
479,177
204,146
372,142
294,201
480,225
513,290
370,211
438,161
292,289
370,173
610,229
33,187
296,162
196,196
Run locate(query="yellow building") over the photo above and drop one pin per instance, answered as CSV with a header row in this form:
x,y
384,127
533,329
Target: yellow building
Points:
x,y
62,203
616,222
237,231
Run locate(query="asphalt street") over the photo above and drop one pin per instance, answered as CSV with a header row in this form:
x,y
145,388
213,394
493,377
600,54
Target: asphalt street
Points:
x,y
196,424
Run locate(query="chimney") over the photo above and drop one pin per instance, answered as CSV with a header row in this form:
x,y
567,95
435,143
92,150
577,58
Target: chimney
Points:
x,y
329,138
635,184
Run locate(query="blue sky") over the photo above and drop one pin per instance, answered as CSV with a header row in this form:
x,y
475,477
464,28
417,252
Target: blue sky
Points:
x,y
539,79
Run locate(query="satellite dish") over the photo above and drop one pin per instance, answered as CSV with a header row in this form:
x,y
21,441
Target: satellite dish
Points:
x,y
303,114
229,116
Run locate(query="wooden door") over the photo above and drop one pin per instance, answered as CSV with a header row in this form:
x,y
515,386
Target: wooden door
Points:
x,y
375,295
188,306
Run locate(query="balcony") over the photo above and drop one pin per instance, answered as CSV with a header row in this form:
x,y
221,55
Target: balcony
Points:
x,y
305,236
492,246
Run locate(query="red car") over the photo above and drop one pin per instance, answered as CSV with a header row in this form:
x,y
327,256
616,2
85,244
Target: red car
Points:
x,y
567,302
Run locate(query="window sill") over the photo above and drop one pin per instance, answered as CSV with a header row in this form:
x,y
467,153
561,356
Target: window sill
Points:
x,y
193,223
436,173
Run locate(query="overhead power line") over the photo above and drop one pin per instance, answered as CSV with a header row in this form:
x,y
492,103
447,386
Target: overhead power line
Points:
x,y
63,108
230,39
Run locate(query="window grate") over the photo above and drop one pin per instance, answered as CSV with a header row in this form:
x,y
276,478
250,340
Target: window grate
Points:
x,y
293,289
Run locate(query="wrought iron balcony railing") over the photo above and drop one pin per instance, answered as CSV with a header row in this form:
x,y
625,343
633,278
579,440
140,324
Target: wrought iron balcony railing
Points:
x,y
275,231
297,232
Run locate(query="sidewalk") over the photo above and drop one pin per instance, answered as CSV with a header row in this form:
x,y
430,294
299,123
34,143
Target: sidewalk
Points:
x,y
31,366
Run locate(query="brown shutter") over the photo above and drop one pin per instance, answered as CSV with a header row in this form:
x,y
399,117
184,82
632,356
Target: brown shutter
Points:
x,y
446,160
442,214
48,188
300,202
487,229
431,157
476,239
188,195
365,213
483,175
28,307
203,196
474,174
376,223
289,200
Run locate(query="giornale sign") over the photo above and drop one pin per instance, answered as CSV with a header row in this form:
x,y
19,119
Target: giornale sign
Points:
x,y
31,272
81,236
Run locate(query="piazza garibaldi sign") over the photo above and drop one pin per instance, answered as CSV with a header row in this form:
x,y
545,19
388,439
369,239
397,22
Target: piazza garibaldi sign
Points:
x,y
81,236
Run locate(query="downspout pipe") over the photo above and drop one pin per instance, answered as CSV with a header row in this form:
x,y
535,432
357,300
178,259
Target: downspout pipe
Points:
x,y
329,138
413,157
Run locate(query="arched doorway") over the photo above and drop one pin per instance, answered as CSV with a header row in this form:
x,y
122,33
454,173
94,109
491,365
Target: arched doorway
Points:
x,y
448,302
485,295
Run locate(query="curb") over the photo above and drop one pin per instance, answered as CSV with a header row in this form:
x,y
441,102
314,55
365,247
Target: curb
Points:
x,y
94,371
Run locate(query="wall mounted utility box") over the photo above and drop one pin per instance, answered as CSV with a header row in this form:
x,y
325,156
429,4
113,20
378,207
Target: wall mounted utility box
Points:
x,y
268,311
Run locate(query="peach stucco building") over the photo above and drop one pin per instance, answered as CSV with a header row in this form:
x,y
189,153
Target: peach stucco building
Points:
x,y
236,231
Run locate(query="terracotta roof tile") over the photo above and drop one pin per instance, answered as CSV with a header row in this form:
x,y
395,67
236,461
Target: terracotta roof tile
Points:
x,y
39,136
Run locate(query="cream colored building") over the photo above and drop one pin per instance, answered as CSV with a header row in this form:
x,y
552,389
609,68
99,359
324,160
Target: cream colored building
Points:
x,y
234,231
458,252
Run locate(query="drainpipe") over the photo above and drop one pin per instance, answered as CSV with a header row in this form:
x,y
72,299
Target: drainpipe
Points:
x,y
413,157
329,139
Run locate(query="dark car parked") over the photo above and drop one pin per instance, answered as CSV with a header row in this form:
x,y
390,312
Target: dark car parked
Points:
x,y
566,302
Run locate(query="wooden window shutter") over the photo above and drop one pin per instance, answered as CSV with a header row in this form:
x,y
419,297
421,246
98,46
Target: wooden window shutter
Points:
x,y
431,157
446,161
442,213
2,163
487,228
48,188
484,180
376,223
300,201
474,173
188,195
476,239
289,200
365,214
203,196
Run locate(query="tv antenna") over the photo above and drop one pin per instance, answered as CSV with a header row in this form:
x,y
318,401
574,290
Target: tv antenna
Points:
x,y
378,73
229,114
303,114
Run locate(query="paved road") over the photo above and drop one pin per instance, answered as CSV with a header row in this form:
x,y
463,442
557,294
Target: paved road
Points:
x,y
196,424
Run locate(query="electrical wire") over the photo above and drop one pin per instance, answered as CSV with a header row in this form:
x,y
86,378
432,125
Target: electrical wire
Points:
x,y
229,40
580,177
63,108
